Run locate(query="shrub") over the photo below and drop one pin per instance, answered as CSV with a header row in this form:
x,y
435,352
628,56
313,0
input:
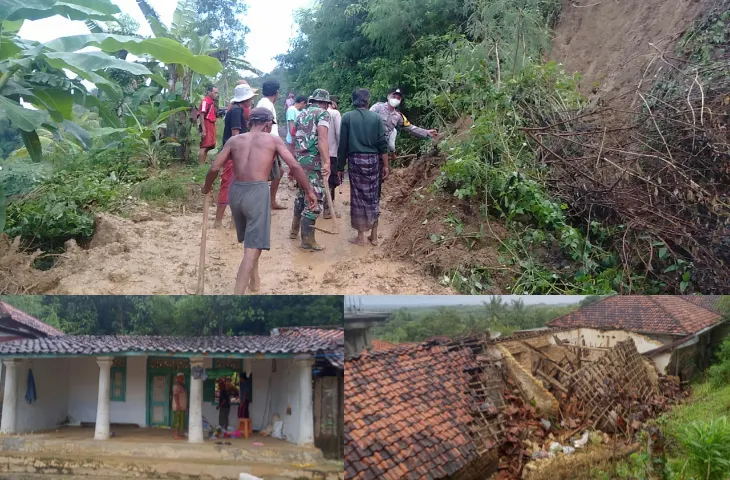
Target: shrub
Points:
x,y
719,373
707,445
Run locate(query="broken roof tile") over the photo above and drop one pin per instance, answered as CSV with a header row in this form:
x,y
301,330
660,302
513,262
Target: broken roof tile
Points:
x,y
419,395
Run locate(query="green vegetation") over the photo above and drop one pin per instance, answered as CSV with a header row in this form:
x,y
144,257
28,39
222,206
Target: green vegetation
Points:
x,y
476,70
80,150
418,324
186,316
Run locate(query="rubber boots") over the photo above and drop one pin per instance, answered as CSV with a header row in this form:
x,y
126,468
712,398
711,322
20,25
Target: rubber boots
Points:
x,y
294,232
308,241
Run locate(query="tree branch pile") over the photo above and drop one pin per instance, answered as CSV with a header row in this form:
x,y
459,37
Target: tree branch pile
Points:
x,y
658,174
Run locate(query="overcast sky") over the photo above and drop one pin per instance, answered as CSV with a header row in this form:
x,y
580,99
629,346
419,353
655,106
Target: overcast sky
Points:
x,y
391,301
271,22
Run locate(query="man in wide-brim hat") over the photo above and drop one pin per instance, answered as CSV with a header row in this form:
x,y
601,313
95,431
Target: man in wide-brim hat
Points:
x,y
311,146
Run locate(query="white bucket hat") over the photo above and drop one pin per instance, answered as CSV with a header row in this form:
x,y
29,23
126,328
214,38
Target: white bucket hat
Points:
x,y
242,93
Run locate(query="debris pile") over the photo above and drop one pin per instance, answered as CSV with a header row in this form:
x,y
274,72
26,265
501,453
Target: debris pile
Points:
x,y
602,395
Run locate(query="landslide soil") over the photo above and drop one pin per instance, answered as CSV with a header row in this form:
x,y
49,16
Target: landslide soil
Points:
x,y
157,253
611,43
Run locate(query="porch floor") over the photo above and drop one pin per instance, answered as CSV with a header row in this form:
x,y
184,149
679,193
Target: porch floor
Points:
x,y
155,449
161,436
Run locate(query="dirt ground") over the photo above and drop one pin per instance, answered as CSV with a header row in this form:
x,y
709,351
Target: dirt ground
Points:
x,y
156,253
610,42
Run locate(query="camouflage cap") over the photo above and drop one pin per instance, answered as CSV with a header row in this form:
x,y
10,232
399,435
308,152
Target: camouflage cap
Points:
x,y
320,95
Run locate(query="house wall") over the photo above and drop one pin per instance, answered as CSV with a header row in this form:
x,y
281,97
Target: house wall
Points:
x,y
272,392
84,391
609,338
52,386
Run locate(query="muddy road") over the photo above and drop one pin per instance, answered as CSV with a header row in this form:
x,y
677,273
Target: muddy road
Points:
x,y
156,253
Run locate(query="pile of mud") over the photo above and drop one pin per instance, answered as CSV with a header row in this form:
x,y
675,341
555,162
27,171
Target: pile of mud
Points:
x,y
439,232
17,274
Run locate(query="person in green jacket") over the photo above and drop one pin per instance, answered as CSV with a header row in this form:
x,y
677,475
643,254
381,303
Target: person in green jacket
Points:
x,y
363,145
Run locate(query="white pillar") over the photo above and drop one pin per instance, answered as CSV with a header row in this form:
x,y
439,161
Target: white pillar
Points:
x,y
102,403
10,397
306,403
195,403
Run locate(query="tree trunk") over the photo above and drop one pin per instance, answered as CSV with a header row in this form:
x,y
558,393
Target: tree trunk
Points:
x,y
182,121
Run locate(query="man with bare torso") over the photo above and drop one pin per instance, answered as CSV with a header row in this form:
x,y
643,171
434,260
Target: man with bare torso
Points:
x,y
253,155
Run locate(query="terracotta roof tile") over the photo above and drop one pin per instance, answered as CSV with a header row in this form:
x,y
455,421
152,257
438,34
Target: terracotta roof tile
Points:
x,y
7,310
707,301
409,405
662,314
108,344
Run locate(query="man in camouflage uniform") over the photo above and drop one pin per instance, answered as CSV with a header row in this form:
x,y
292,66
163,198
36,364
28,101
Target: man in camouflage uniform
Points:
x,y
312,151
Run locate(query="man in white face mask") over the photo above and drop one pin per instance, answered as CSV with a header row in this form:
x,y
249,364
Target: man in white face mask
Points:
x,y
394,120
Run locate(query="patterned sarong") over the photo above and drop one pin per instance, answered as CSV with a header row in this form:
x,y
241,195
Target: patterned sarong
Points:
x,y
364,190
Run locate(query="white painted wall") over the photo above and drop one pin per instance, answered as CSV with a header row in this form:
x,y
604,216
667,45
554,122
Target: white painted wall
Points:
x,y
272,392
52,386
84,388
133,409
609,338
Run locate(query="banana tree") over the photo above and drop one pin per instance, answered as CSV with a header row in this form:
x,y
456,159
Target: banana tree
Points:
x,y
33,72
182,29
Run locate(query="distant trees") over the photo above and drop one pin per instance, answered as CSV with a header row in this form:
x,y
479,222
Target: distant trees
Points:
x,y
185,316
413,325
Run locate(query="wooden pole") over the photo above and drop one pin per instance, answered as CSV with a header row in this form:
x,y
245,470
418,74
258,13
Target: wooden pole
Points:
x,y
201,264
335,230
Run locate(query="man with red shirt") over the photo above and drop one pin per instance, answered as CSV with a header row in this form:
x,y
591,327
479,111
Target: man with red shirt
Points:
x,y
208,116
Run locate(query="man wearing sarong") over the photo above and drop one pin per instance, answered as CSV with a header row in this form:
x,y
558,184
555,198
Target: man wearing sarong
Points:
x,y
364,146
235,123
333,134
393,119
208,116
179,407
312,150
253,155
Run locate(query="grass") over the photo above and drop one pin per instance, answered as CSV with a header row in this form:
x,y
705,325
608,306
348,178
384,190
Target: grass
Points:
x,y
694,431
173,186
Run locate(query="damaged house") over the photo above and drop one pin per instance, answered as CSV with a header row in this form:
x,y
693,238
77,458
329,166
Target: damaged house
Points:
x,y
466,408
428,410
677,333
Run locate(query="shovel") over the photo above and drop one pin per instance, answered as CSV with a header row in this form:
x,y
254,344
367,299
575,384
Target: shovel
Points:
x,y
335,230
201,264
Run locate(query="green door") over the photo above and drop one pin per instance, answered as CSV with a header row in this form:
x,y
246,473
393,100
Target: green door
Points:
x,y
159,391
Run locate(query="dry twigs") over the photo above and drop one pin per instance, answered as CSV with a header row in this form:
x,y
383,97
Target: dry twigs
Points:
x,y
665,173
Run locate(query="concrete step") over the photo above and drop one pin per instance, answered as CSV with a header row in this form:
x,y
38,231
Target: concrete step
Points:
x,y
23,466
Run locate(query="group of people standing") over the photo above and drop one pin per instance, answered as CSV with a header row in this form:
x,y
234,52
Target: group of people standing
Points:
x,y
320,143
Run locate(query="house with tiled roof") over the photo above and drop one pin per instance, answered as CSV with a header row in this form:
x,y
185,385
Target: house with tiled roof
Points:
x,y
678,333
103,381
16,324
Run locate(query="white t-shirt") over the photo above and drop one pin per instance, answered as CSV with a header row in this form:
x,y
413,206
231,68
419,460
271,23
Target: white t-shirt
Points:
x,y
266,103
333,132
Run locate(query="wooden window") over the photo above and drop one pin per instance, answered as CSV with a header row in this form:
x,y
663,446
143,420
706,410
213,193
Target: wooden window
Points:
x,y
118,382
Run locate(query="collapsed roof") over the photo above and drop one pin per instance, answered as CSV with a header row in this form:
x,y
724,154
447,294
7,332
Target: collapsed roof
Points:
x,y
420,411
